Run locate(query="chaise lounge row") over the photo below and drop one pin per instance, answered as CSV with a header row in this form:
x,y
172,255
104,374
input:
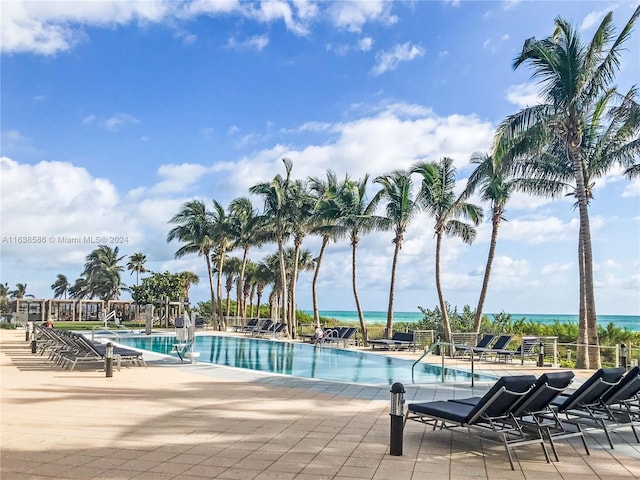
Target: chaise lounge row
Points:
x,y
522,410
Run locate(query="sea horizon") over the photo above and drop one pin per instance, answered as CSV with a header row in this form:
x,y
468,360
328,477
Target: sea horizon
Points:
x,y
632,322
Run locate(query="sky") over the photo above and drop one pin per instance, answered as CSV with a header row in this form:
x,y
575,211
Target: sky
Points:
x,y
115,113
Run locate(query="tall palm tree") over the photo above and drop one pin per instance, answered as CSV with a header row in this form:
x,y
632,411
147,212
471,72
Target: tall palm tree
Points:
x,y
222,225
324,222
275,195
4,297
194,227
357,218
249,232
572,76
102,272
437,197
61,286
136,265
400,209
493,177
301,205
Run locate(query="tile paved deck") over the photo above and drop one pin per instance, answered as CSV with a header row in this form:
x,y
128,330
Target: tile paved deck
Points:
x,y
195,422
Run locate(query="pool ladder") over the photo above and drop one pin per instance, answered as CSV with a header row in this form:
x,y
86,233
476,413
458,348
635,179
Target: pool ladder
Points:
x,y
452,347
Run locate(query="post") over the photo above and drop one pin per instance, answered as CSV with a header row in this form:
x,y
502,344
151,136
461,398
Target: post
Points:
x,y
26,332
623,356
397,417
541,355
34,345
108,360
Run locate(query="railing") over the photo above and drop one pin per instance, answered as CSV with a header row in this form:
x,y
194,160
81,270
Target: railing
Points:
x,y
437,347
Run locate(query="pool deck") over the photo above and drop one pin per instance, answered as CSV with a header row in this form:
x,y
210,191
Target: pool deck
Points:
x,y
195,422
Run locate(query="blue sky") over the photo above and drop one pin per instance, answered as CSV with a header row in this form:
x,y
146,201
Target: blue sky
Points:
x,y
114,113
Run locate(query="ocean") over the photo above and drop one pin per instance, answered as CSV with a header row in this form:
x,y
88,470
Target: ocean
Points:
x,y
632,322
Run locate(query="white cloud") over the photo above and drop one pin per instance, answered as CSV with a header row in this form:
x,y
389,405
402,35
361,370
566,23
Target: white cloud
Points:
x,y
113,123
178,178
353,15
633,188
594,18
257,43
365,44
389,60
554,268
524,95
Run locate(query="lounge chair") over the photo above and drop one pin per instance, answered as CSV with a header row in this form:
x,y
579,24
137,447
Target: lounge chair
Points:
x,y
534,411
397,341
490,414
89,351
606,401
525,350
341,335
499,345
264,324
482,343
584,405
274,330
247,326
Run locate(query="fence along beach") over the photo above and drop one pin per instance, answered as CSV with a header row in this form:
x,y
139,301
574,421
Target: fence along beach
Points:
x,y
631,322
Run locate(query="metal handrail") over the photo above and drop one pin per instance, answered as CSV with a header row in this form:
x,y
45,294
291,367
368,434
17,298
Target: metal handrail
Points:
x,y
442,356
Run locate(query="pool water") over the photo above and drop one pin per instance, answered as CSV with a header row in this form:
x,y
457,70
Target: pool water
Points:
x,y
305,360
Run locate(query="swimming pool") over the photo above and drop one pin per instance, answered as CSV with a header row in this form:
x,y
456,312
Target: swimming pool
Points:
x,y
304,360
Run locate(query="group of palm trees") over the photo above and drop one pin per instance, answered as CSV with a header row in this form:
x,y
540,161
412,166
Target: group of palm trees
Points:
x,y
583,128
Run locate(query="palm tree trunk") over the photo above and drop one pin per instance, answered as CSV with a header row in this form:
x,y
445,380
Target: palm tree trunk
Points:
x,y
210,274
221,321
443,305
292,295
392,287
497,215
243,299
582,356
314,284
574,140
354,281
283,280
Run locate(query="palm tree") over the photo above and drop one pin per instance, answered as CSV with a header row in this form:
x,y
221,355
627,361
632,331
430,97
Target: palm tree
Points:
x,y
232,267
437,197
573,77
263,275
275,195
4,297
493,177
80,289
357,218
60,287
19,292
188,278
249,232
223,235
300,212
400,209
102,272
194,227
136,264
324,223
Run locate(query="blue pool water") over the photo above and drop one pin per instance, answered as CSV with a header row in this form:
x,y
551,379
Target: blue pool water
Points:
x,y
304,360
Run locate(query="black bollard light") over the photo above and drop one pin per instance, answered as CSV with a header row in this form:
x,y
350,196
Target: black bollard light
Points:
x,y
397,417
108,360
541,355
34,345
26,333
623,356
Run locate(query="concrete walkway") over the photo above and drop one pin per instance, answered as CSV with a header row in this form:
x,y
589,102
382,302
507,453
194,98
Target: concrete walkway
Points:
x,y
195,422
